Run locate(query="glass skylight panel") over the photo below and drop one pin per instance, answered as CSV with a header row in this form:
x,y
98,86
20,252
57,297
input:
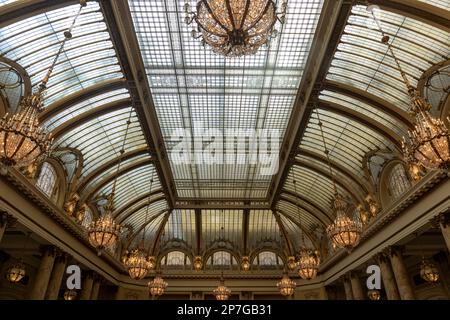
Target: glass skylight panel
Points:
x,y
180,228
364,62
262,227
444,4
294,234
222,225
127,209
34,42
191,85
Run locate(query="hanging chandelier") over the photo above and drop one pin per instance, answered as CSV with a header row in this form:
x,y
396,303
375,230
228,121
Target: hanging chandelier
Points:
x,y
198,263
70,295
308,262
428,144
16,272
157,286
222,292
286,286
235,28
23,140
245,263
104,232
428,271
374,294
138,264
344,232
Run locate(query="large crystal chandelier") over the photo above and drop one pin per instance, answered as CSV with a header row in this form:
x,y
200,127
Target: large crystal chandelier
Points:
x,y
308,263
157,286
428,271
428,143
16,272
138,264
286,286
105,231
23,140
344,232
291,263
309,259
235,27
222,292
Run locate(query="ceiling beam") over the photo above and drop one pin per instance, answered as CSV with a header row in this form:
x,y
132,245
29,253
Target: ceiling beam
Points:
x,y
326,174
365,186
364,96
289,247
152,252
111,177
118,17
131,203
80,95
330,27
322,215
216,204
198,230
302,228
89,115
20,10
108,165
143,205
417,10
245,226
145,224
367,121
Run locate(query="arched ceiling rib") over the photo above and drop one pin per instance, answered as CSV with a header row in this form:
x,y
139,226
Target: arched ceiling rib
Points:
x,y
180,229
263,230
294,233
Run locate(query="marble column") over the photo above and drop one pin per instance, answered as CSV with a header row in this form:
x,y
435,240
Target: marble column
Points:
x,y
86,288
43,275
348,288
387,275
59,270
357,289
401,275
96,288
444,223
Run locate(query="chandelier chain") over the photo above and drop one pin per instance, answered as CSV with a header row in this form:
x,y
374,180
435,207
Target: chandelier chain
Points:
x,y
67,36
327,152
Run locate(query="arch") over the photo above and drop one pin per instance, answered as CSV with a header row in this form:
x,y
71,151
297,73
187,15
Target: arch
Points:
x,y
271,259
52,169
179,259
322,216
222,254
394,169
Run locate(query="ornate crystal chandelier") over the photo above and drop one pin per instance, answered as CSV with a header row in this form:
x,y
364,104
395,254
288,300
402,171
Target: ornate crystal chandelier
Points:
x,y
343,232
198,263
245,263
235,27
138,264
105,231
16,272
428,144
222,292
157,286
428,271
22,139
309,259
70,295
374,294
308,263
286,286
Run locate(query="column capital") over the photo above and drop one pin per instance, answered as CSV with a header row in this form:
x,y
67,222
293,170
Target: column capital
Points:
x,y
444,219
62,256
381,257
49,250
6,219
395,251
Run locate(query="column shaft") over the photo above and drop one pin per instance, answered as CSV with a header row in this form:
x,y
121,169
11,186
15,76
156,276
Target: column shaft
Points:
x,y
401,275
95,289
54,284
390,286
86,289
348,289
357,289
43,275
444,223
